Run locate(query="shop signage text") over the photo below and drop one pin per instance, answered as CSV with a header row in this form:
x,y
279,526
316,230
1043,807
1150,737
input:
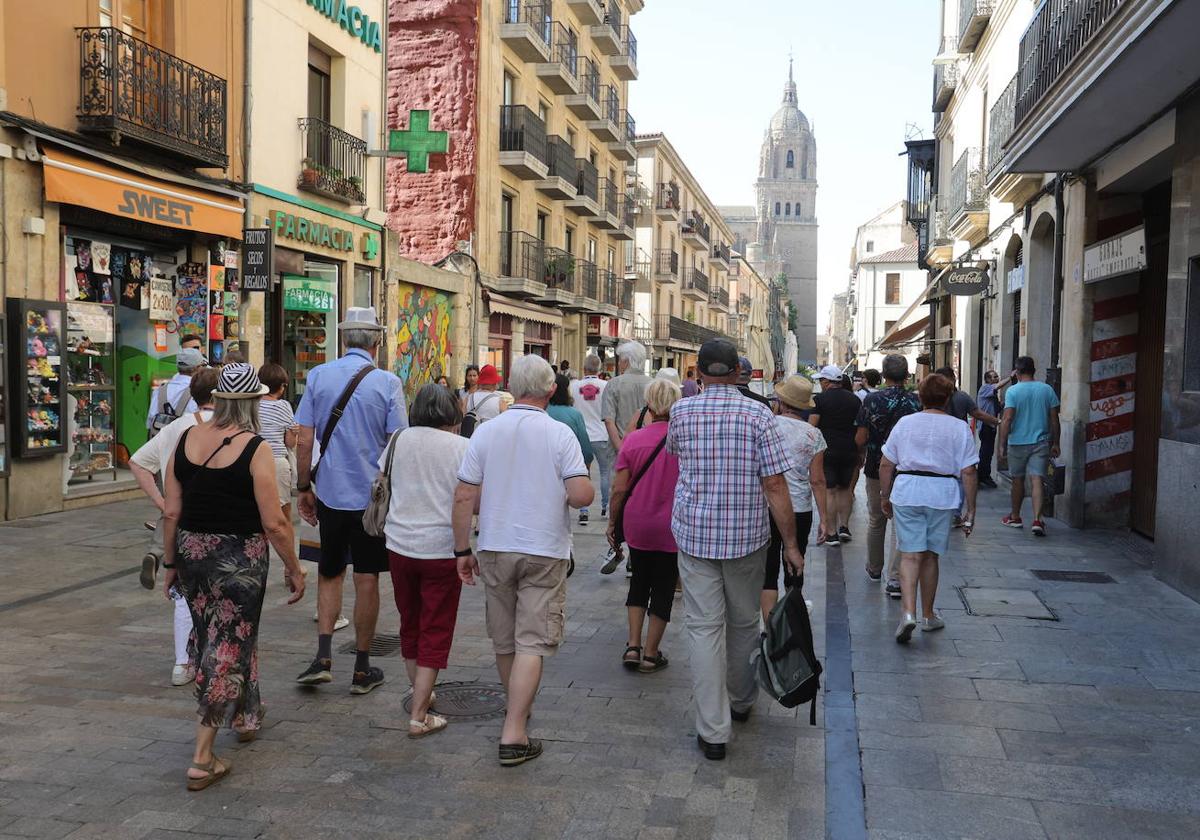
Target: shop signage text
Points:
x,y
967,280
1117,255
155,209
308,294
256,259
289,226
162,299
352,19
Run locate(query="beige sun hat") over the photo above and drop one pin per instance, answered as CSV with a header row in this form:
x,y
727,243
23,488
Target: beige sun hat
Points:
x,y
796,391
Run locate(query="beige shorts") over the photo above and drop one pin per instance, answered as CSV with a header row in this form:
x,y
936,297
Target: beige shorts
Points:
x,y
285,479
526,598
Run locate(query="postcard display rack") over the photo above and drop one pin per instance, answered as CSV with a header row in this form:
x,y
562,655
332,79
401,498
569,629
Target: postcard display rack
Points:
x,y
90,388
37,342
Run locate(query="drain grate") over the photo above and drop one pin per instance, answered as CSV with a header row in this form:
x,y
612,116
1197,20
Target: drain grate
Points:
x,y
1014,603
466,701
1071,576
384,644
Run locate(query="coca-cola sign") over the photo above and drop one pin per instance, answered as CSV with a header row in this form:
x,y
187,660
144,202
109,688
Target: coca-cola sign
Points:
x,y
966,280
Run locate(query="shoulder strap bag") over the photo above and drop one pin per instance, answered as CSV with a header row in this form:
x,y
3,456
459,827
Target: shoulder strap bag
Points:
x,y
620,525
336,415
375,516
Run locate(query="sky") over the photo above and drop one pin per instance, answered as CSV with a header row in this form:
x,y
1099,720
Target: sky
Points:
x,y
711,75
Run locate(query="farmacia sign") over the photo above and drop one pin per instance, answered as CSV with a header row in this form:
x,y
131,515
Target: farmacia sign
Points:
x,y
352,19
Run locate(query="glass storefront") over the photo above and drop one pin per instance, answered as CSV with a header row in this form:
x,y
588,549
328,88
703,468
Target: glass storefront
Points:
x,y
310,318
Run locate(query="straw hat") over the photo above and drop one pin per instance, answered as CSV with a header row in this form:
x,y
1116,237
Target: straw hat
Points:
x,y
796,391
239,382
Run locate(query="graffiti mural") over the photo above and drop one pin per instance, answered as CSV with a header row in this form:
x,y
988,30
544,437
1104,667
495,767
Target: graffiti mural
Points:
x,y
422,336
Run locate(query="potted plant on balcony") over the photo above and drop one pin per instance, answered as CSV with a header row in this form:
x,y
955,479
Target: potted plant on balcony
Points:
x,y
309,172
557,269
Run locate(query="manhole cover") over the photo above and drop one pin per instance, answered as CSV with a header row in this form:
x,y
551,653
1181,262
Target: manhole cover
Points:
x,y
384,644
1069,576
466,701
1016,603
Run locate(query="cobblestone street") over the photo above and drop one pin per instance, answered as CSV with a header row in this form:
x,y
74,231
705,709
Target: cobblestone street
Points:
x,y
1085,726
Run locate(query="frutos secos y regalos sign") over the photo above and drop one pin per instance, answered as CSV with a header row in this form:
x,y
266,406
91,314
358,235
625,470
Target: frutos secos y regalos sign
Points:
x,y
352,19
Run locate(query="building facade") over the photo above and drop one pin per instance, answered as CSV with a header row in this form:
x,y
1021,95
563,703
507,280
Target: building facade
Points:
x,y
123,153
536,187
884,277
1073,185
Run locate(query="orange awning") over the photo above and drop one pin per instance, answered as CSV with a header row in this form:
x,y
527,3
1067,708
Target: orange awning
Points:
x,y
73,179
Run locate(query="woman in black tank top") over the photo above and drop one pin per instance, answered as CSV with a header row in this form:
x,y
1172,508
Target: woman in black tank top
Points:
x,y
222,509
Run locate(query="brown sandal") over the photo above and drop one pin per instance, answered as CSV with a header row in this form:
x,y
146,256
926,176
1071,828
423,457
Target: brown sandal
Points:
x,y
214,775
631,664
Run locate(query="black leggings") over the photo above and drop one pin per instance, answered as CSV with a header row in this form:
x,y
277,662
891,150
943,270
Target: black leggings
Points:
x,y
652,586
775,553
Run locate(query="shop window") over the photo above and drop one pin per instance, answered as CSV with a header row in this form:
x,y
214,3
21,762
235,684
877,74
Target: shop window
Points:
x,y
310,316
892,294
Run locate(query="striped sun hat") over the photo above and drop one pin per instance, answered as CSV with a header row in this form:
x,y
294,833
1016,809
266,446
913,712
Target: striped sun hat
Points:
x,y
239,382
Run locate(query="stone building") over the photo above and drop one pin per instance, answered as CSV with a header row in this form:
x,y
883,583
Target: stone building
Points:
x,y
783,240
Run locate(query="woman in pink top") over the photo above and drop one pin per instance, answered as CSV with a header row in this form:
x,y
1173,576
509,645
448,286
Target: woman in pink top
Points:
x,y
643,491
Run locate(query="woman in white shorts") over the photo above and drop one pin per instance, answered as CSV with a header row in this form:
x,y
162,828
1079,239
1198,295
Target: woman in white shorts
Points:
x,y
924,459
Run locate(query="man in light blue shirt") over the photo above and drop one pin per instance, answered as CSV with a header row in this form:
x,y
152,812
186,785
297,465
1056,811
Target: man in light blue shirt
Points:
x,y
343,487
172,399
1029,436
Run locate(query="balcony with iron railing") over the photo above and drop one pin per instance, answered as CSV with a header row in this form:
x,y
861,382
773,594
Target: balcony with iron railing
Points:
x,y
695,230
561,171
560,73
623,148
939,242
666,201
666,265
606,35
528,29
608,289
973,17
625,304
522,260
333,162
587,190
668,328
637,268
945,80
695,285
1057,35
624,63
629,210
719,298
523,142
130,90
588,11
607,129
610,201
968,191
585,101
558,274
720,255
589,284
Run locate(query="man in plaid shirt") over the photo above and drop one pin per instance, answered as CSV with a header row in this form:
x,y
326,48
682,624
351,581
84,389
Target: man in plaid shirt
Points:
x,y
732,461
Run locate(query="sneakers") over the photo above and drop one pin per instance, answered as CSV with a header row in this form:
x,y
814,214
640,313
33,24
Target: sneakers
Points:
x,y
893,589
931,624
1012,522
844,534
875,576
182,675
365,682
832,539
149,573
341,622
905,628
988,483
320,671
604,512
583,517
1038,528
611,561
513,754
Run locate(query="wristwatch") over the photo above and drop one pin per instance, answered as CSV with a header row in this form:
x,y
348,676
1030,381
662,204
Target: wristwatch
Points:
x,y
466,552
305,488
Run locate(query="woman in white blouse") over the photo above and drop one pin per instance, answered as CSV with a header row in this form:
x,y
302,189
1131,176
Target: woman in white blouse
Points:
x,y
924,459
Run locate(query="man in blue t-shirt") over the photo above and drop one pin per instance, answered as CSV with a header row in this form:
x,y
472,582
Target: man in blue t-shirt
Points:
x,y
1029,437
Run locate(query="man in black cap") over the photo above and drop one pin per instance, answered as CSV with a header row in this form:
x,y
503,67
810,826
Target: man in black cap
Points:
x,y
732,461
745,374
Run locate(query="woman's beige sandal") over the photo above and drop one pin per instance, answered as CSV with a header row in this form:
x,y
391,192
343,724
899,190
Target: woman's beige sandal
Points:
x,y
431,725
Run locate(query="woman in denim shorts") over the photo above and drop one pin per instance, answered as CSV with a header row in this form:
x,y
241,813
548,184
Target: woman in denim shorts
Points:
x,y
925,458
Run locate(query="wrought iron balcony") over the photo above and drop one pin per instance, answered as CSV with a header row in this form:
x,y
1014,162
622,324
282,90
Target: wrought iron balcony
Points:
x,y
973,17
522,256
333,161
560,73
558,270
129,89
968,192
607,35
626,287
1000,127
720,254
1059,32
609,290
561,172
588,279
624,64
523,142
629,210
666,201
587,181
584,100
697,281
696,229
669,328
945,80
719,297
607,127
623,147
666,264
528,29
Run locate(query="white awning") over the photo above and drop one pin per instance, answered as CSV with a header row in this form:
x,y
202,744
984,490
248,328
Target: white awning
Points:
x,y
520,309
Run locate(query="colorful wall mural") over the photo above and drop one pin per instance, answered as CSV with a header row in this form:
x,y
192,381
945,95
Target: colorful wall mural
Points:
x,y
422,336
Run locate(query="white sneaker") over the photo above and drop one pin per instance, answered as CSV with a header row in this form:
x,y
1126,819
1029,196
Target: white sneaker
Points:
x,y
341,622
182,675
935,623
905,628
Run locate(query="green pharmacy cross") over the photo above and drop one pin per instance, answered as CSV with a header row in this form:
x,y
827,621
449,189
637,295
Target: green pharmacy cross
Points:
x,y
418,142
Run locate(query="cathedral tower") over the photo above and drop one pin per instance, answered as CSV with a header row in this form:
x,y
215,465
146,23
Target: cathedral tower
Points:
x,y
786,207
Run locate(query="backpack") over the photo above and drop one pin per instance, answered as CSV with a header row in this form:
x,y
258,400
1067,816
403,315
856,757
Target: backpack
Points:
x,y
784,662
167,413
471,419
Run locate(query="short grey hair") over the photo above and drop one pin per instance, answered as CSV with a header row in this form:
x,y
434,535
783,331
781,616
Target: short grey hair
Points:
x,y
435,407
895,368
361,339
239,414
591,364
531,377
633,352
661,394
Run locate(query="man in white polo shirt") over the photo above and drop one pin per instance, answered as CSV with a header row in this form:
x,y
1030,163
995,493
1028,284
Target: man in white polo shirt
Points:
x,y
525,471
588,394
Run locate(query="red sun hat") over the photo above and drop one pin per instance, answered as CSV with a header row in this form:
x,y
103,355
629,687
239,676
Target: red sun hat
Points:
x,y
488,375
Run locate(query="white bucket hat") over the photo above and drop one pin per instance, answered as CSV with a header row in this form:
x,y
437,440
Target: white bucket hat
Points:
x,y
361,318
239,382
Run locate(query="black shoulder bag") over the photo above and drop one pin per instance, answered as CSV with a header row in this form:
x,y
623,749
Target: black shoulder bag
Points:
x,y
336,415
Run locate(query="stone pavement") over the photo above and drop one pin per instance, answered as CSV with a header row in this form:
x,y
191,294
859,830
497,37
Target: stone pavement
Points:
x,y
1088,726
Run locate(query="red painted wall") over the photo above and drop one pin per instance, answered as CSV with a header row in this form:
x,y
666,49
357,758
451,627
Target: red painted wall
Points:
x,y
433,65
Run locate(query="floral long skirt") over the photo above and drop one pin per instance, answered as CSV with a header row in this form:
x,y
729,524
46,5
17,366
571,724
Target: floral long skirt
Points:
x,y
224,579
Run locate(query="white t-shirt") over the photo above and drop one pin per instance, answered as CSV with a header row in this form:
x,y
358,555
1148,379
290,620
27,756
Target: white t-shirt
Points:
x,y
154,455
588,394
521,461
424,477
485,404
936,443
803,441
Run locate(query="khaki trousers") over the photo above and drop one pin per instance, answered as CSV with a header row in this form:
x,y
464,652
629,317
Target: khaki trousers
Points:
x,y
876,533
